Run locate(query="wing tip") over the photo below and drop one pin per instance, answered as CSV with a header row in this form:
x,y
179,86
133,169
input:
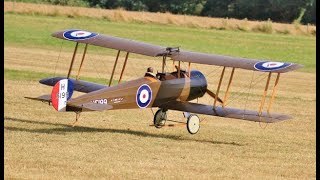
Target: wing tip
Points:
x,y
293,67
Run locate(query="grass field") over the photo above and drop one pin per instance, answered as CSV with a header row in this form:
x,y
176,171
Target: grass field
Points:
x,y
41,144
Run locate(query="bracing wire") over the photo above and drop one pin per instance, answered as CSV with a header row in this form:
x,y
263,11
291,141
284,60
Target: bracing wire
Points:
x,y
103,63
255,82
245,105
94,66
130,63
55,67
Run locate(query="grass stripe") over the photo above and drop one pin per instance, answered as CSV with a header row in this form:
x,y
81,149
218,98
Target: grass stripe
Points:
x,y
22,75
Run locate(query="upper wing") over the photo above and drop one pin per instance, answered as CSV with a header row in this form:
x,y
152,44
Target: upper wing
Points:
x,y
133,46
227,61
225,112
110,42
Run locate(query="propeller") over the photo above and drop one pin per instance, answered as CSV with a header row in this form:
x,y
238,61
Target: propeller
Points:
x,y
213,95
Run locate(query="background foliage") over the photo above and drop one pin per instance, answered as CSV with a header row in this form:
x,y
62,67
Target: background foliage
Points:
x,y
285,11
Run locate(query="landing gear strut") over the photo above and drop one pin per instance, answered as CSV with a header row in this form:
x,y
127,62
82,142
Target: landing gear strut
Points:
x,y
160,118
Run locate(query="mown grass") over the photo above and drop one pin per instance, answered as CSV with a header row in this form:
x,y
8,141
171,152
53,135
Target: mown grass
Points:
x,y
35,31
22,75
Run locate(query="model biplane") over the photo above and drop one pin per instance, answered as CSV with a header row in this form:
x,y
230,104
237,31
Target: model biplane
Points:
x,y
164,90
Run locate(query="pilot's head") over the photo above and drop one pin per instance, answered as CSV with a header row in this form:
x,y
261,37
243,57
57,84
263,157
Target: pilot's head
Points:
x,y
150,69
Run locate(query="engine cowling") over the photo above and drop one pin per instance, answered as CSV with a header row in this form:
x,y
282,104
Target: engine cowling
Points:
x,y
198,85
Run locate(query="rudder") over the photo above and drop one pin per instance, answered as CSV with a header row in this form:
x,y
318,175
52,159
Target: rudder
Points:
x,y
61,93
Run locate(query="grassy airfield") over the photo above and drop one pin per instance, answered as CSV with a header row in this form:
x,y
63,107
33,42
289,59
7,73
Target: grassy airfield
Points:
x,y
41,144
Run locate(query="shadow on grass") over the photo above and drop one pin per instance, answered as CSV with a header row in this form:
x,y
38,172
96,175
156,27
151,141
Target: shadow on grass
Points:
x,y
64,128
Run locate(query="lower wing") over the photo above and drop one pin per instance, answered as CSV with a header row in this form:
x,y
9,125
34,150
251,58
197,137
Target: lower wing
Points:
x,y
242,114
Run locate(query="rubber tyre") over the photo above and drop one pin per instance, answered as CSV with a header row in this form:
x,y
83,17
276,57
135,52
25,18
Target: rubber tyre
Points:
x,y
159,118
193,124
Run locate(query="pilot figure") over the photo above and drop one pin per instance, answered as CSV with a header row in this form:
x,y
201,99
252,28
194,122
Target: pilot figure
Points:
x,y
150,72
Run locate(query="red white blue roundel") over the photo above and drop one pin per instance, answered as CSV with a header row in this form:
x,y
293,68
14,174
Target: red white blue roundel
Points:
x,y
270,66
144,96
78,34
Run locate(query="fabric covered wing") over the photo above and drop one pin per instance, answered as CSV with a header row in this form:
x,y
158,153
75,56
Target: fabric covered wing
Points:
x,y
110,42
225,112
243,63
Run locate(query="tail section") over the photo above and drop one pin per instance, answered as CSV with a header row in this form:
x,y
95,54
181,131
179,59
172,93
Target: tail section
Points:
x,y
61,93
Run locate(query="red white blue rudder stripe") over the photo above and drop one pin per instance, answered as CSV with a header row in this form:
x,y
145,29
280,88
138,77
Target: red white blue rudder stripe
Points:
x,y
144,96
61,93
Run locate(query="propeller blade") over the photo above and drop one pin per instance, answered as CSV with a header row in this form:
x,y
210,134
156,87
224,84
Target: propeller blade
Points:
x,y
213,95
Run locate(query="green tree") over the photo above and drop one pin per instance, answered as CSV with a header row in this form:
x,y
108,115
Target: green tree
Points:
x,y
310,14
217,8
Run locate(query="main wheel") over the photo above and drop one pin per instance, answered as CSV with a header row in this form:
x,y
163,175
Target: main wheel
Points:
x,y
193,124
160,118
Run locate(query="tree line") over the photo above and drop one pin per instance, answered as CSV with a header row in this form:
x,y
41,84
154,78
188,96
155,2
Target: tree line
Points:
x,y
284,11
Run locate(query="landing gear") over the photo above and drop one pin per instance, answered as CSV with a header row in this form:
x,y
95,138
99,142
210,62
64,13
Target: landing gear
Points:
x,y
193,124
160,118
193,121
